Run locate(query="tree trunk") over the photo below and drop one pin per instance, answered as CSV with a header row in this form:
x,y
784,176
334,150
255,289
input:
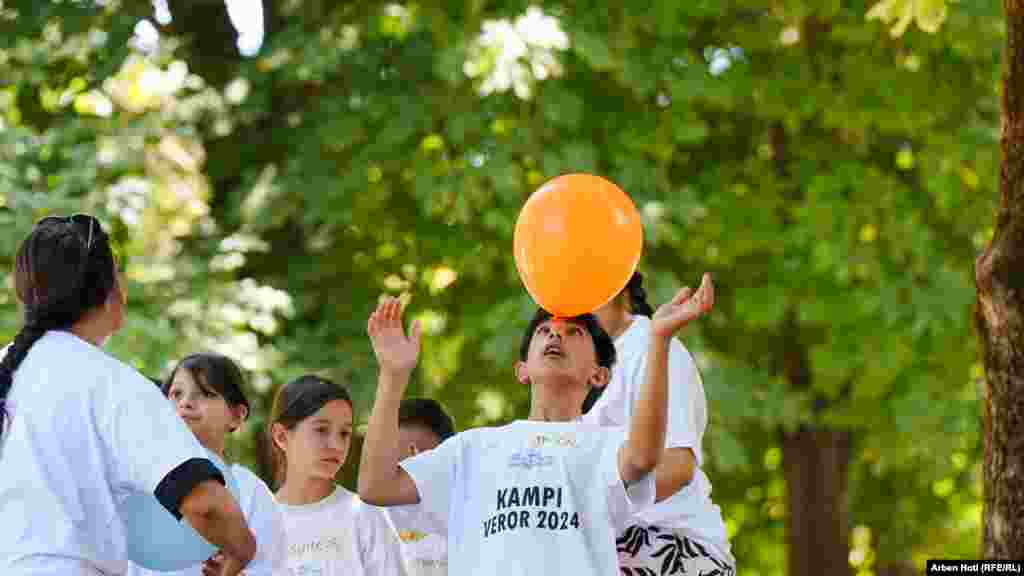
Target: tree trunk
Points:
x,y
1000,319
815,463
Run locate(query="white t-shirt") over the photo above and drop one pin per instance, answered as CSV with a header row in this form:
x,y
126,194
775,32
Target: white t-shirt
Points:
x,y
84,430
425,553
264,519
340,536
528,499
690,509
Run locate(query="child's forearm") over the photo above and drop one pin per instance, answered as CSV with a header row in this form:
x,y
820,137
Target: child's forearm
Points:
x,y
674,472
213,512
378,469
646,437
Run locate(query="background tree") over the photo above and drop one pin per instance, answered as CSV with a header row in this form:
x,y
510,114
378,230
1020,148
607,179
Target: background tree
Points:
x,y
832,176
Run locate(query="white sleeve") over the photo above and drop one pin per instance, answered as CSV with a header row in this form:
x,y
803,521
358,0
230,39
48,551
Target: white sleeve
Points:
x,y
146,439
264,519
379,545
623,502
434,472
687,408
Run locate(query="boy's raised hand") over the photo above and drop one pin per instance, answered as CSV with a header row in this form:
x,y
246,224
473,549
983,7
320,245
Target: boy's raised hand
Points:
x,y
686,306
395,351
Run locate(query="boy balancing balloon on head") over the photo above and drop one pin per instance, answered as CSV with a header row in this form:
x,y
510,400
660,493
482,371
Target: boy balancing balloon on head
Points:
x,y
538,496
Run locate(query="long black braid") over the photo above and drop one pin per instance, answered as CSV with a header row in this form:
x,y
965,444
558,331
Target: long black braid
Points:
x,y
63,269
638,296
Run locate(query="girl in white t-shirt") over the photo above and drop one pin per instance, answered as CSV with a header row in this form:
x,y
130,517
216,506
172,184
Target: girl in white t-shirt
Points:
x,y
80,431
329,530
683,532
206,391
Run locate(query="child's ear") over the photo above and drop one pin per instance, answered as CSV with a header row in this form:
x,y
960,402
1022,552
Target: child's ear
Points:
x,y
238,415
279,436
599,379
522,374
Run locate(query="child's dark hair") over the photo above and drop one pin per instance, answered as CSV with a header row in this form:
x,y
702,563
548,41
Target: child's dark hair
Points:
x,y
63,269
638,296
428,413
603,345
212,372
296,401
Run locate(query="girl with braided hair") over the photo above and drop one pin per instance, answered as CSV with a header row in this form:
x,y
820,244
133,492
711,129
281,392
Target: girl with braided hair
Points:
x,y
79,430
683,532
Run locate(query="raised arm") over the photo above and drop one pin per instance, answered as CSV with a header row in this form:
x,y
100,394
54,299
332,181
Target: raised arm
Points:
x,y
645,442
381,481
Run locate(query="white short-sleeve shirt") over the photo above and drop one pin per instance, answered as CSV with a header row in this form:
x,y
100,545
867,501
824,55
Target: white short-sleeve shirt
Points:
x,y
84,430
690,509
425,553
528,499
340,536
264,519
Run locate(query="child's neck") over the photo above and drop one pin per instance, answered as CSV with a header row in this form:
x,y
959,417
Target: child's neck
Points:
x,y
552,402
302,491
614,319
216,448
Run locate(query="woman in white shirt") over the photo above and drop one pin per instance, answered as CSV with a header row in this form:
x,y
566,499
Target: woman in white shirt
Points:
x,y
329,530
81,430
206,391
683,533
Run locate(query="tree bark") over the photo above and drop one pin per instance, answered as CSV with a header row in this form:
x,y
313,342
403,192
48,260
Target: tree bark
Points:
x,y
999,319
815,464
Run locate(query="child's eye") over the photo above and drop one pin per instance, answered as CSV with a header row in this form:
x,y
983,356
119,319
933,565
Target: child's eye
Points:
x,y
320,430
575,331
543,330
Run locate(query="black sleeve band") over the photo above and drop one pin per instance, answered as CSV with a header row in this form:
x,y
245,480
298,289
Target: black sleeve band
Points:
x,y
180,481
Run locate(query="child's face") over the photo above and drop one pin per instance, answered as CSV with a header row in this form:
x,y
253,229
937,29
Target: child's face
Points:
x,y
318,446
204,410
561,348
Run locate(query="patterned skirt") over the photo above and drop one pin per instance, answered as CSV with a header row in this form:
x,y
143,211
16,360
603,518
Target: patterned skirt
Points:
x,y
656,551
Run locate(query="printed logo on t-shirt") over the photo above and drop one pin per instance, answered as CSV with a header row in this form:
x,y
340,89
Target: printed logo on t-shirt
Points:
x,y
547,513
529,459
307,569
325,546
315,557
563,440
411,535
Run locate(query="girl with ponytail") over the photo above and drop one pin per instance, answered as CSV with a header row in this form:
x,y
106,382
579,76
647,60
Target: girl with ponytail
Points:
x,y
78,428
684,507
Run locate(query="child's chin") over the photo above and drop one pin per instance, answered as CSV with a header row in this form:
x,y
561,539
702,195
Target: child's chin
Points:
x,y
324,472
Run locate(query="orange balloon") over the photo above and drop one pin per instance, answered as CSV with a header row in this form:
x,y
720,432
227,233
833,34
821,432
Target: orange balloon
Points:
x,y
577,242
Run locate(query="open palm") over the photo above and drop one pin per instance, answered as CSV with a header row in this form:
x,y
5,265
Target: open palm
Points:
x,y
394,350
686,306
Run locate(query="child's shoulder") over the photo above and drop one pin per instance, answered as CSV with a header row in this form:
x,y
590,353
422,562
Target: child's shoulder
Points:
x,y
248,480
473,436
530,430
